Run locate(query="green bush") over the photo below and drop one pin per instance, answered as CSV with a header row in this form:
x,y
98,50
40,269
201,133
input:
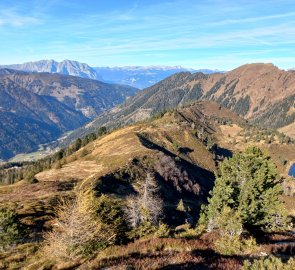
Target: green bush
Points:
x,y
231,245
186,231
269,263
11,230
101,131
146,228
110,212
230,238
162,231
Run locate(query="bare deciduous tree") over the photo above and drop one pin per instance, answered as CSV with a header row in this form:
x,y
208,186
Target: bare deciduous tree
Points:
x,y
147,206
132,211
151,201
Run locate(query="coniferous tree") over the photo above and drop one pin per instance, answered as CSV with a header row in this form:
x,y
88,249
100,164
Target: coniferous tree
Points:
x,y
180,206
77,145
11,230
248,184
102,131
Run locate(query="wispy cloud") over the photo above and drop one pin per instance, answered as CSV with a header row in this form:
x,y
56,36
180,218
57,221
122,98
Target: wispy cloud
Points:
x,y
269,36
252,19
12,18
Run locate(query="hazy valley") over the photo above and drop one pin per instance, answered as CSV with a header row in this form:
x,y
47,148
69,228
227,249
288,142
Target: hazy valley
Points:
x,y
40,107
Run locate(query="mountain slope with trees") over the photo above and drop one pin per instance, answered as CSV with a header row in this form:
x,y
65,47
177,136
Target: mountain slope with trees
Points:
x,y
133,196
260,93
36,108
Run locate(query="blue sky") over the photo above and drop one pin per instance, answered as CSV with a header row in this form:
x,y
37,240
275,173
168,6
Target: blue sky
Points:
x,y
199,34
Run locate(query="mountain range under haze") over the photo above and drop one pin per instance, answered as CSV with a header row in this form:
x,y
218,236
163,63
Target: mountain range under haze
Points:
x,y
136,76
141,76
65,67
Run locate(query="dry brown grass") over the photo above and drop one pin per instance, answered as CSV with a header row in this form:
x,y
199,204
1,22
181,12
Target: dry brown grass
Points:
x,y
26,191
213,109
231,137
18,258
119,147
78,169
165,253
290,205
279,151
230,131
103,155
289,130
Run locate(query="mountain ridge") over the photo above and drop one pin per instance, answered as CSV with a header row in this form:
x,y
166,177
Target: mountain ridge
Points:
x,y
136,76
261,93
66,67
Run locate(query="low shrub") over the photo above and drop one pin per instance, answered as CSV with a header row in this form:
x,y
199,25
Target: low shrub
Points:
x,y
231,245
186,231
269,263
11,230
143,230
162,231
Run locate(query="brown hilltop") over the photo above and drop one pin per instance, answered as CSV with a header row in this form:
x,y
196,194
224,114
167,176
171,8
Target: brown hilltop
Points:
x,y
265,84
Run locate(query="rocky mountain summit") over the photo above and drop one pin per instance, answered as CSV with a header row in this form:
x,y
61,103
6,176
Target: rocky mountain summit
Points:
x,y
66,67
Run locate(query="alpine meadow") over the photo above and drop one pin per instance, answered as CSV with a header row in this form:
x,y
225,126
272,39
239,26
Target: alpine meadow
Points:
x,y
154,135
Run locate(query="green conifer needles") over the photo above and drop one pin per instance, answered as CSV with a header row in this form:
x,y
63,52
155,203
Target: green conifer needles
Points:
x,y
247,185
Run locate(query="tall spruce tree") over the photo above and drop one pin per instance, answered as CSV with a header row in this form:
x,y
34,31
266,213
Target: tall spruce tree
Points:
x,y
248,185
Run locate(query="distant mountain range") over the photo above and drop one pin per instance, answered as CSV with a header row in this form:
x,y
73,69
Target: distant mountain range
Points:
x,y
141,76
260,93
65,67
36,108
136,76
